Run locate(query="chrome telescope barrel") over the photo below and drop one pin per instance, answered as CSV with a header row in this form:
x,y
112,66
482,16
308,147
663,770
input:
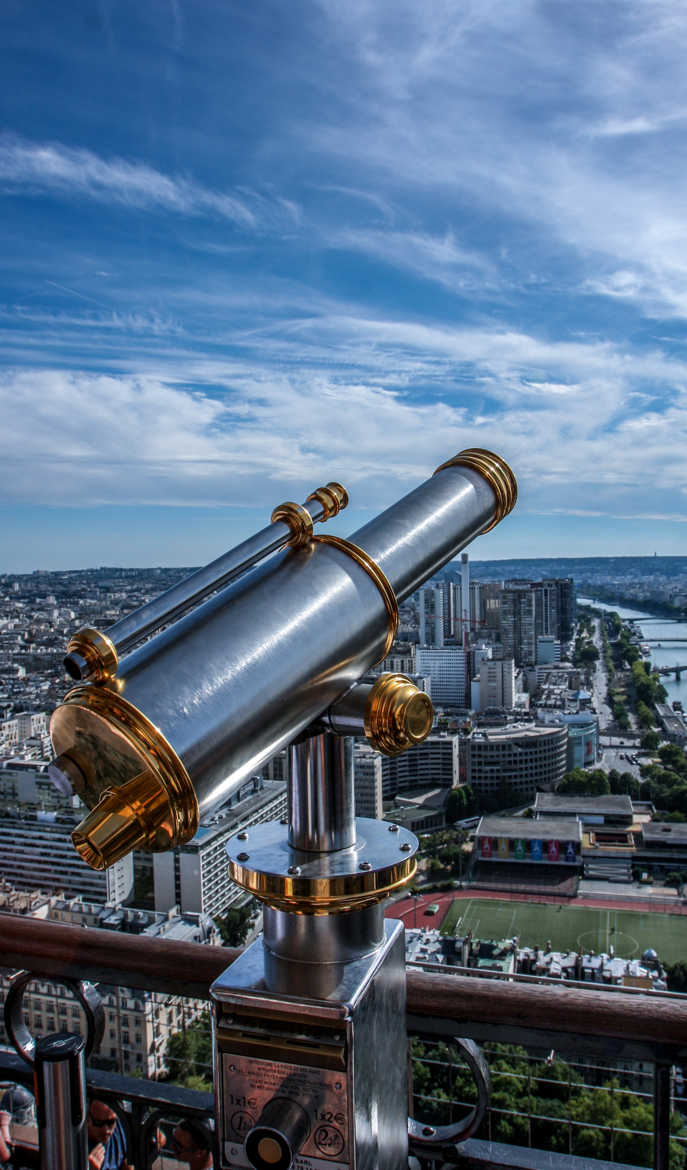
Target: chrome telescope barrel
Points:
x,y
291,524
206,702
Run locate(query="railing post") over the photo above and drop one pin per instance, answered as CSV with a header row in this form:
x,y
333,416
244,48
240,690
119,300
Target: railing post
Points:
x,y
662,1103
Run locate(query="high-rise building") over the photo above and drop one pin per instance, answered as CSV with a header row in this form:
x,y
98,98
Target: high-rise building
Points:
x,y
431,615
451,607
496,684
518,622
546,620
446,667
566,608
367,772
490,604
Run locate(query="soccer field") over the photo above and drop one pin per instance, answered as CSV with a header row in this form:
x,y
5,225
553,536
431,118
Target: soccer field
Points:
x,y
568,927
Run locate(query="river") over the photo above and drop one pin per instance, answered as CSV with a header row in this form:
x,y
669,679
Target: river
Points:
x,y
669,653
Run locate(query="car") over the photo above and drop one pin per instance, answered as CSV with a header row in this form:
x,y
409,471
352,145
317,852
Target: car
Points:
x,y
433,908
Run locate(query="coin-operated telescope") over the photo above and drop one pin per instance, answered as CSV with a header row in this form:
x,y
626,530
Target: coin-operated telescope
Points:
x,y
266,647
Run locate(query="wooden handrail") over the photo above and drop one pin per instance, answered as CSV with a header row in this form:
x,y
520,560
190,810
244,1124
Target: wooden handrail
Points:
x,y
52,949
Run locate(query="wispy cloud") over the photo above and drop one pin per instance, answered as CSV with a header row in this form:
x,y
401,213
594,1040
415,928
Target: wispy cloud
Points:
x,y
61,170
432,257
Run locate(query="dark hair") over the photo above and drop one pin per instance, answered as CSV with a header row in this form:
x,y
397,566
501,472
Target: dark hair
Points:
x,y
19,1102
200,1133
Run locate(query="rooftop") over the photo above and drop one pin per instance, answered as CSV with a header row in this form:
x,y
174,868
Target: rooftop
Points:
x,y
561,828
657,831
610,805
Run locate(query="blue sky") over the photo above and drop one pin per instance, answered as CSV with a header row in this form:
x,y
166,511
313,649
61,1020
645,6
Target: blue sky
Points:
x,y
247,248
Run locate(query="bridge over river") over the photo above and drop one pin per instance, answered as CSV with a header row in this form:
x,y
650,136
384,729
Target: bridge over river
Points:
x,y
675,669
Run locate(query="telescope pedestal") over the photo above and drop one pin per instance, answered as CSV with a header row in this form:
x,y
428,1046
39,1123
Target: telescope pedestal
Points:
x,y
311,1058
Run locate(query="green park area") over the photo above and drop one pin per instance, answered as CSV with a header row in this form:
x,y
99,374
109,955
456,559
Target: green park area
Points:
x,y
567,927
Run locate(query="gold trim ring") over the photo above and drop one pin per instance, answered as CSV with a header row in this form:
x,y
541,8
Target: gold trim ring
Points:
x,y
335,895
298,519
333,497
98,652
381,581
497,474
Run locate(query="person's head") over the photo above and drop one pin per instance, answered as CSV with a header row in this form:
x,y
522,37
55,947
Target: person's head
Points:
x,y
101,1121
19,1102
192,1143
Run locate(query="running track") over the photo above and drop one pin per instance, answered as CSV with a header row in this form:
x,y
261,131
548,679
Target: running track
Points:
x,y
413,914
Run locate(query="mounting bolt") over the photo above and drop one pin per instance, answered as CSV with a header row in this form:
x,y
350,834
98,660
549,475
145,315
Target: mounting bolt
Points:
x,y
294,870
242,856
406,847
242,836
428,1131
393,828
365,865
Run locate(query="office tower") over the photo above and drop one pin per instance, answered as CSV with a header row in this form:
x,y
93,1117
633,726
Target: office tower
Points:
x,y
490,604
496,684
451,607
546,617
431,616
446,667
367,774
518,622
566,608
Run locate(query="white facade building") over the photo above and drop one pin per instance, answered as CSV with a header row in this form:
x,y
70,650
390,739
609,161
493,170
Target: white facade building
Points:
x,y
446,667
37,853
195,876
367,770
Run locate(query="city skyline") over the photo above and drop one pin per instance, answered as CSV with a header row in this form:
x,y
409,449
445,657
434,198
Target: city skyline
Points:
x,y
245,251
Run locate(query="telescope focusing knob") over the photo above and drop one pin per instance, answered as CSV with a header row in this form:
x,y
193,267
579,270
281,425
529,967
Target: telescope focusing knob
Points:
x,y
393,713
398,715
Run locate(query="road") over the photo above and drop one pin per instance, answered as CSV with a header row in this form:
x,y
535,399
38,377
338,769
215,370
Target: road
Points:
x,y
615,747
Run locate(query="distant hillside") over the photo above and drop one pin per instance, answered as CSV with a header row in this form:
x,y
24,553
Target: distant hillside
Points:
x,y
593,570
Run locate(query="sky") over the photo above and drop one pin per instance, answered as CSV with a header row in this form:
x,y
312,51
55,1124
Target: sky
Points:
x,y
249,248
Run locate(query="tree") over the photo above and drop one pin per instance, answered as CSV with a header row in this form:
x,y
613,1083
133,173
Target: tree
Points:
x,y
532,1101
650,741
189,1055
673,757
581,783
234,925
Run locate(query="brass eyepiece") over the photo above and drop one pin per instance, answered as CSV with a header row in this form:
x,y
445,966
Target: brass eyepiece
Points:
x,y
90,655
398,715
135,815
497,474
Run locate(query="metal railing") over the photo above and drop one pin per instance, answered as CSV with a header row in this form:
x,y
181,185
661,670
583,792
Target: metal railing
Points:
x,y
584,1027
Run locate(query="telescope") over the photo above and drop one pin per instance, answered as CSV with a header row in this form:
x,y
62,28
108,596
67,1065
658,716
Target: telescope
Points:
x,y
175,705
